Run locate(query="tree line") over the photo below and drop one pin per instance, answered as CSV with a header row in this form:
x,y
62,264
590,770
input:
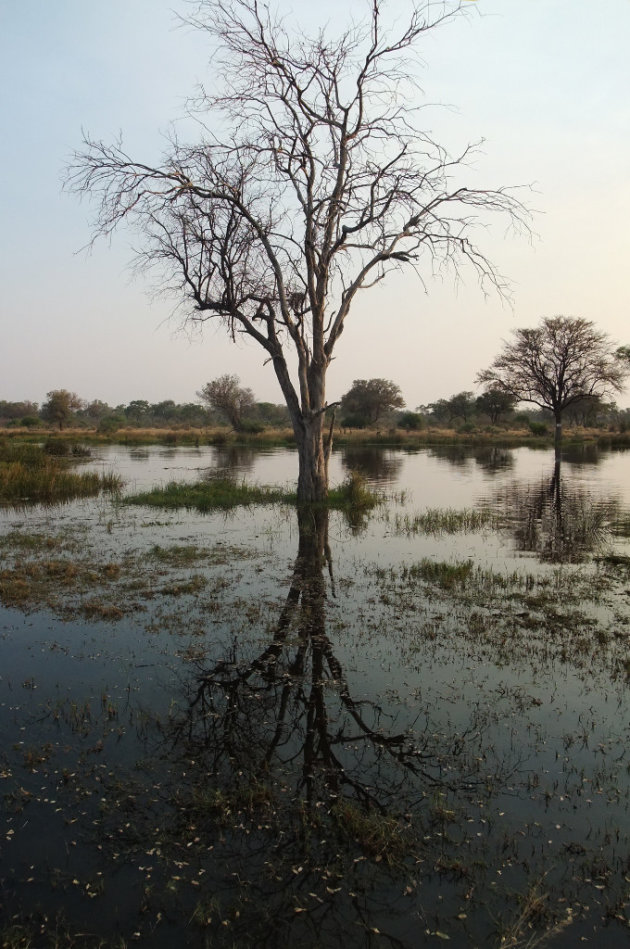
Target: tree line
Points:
x,y
565,367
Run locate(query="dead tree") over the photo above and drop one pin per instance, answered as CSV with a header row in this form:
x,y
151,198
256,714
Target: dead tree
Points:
x,y
312,179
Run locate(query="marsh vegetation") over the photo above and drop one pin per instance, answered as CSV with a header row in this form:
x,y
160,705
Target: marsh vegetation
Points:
x,y
266,725
33,473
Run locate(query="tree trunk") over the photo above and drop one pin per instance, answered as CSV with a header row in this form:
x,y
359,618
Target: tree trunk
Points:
x,y
558,432
309,430
313,461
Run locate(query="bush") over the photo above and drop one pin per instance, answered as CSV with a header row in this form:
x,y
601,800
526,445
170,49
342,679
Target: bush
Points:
x,y
251,427
538,428
29,421
58,447
110,424
411,421
353,421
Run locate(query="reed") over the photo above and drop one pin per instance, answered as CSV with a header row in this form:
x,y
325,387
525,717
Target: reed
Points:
x,y
28,474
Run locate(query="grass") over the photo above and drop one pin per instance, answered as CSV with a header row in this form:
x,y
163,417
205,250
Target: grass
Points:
x,y
219,494
29,474
443,521
224,494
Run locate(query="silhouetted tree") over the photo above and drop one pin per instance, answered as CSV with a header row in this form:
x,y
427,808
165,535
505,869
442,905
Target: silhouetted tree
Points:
x,y
312,181
563,360
495,403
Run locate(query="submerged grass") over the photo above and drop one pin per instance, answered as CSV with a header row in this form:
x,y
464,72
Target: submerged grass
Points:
x,y
443,521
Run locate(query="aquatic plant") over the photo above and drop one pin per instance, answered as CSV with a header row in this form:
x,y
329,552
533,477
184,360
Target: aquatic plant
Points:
x,y
29,474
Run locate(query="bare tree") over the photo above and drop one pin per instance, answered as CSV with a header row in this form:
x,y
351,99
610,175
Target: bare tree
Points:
x,y
227,396
311,181
560,362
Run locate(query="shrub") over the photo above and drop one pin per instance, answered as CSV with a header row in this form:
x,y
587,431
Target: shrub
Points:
x,y
58,447
110,424
251,427
353,421
411,421
538,428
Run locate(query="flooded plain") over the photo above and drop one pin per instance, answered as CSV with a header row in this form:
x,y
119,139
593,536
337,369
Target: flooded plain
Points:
x,y
400,727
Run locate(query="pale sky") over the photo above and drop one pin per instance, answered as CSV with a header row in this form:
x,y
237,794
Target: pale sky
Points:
x,y
544,82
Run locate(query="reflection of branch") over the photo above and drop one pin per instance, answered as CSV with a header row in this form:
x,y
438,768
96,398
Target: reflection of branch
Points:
x,y
277,706
560,522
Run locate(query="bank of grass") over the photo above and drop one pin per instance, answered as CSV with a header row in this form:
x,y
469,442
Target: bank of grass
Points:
x,y
225,494
32,474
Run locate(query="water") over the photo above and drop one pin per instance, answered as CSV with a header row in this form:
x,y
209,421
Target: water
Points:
x,y
241,730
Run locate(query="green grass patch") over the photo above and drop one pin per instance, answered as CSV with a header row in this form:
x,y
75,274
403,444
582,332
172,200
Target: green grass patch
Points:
x,y
223,494
209,495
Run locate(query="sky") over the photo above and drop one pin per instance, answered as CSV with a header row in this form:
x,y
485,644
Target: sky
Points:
x,y
544,83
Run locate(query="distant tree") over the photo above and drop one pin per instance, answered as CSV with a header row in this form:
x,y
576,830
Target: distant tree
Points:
x,y
16,410
60,406
411,421
591,411
556,364
439,412
368,400
164,412
495,403
272,414
461,405
226,396
191,413
137,411
96,410
110,423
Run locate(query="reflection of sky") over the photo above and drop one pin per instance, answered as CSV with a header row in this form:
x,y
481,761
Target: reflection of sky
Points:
x,y
426,480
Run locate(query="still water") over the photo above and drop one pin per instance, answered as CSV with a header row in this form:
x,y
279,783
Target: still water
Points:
x,y
254,729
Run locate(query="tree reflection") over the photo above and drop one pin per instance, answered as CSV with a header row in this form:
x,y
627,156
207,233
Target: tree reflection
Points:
x,y
292,702
493,459
372,462
560,521
231,459
327,785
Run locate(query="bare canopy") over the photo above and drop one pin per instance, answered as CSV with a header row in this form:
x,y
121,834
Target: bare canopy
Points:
x,y
563,361
311,180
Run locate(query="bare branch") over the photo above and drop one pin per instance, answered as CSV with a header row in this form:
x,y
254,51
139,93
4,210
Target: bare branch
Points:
x,y
312,180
